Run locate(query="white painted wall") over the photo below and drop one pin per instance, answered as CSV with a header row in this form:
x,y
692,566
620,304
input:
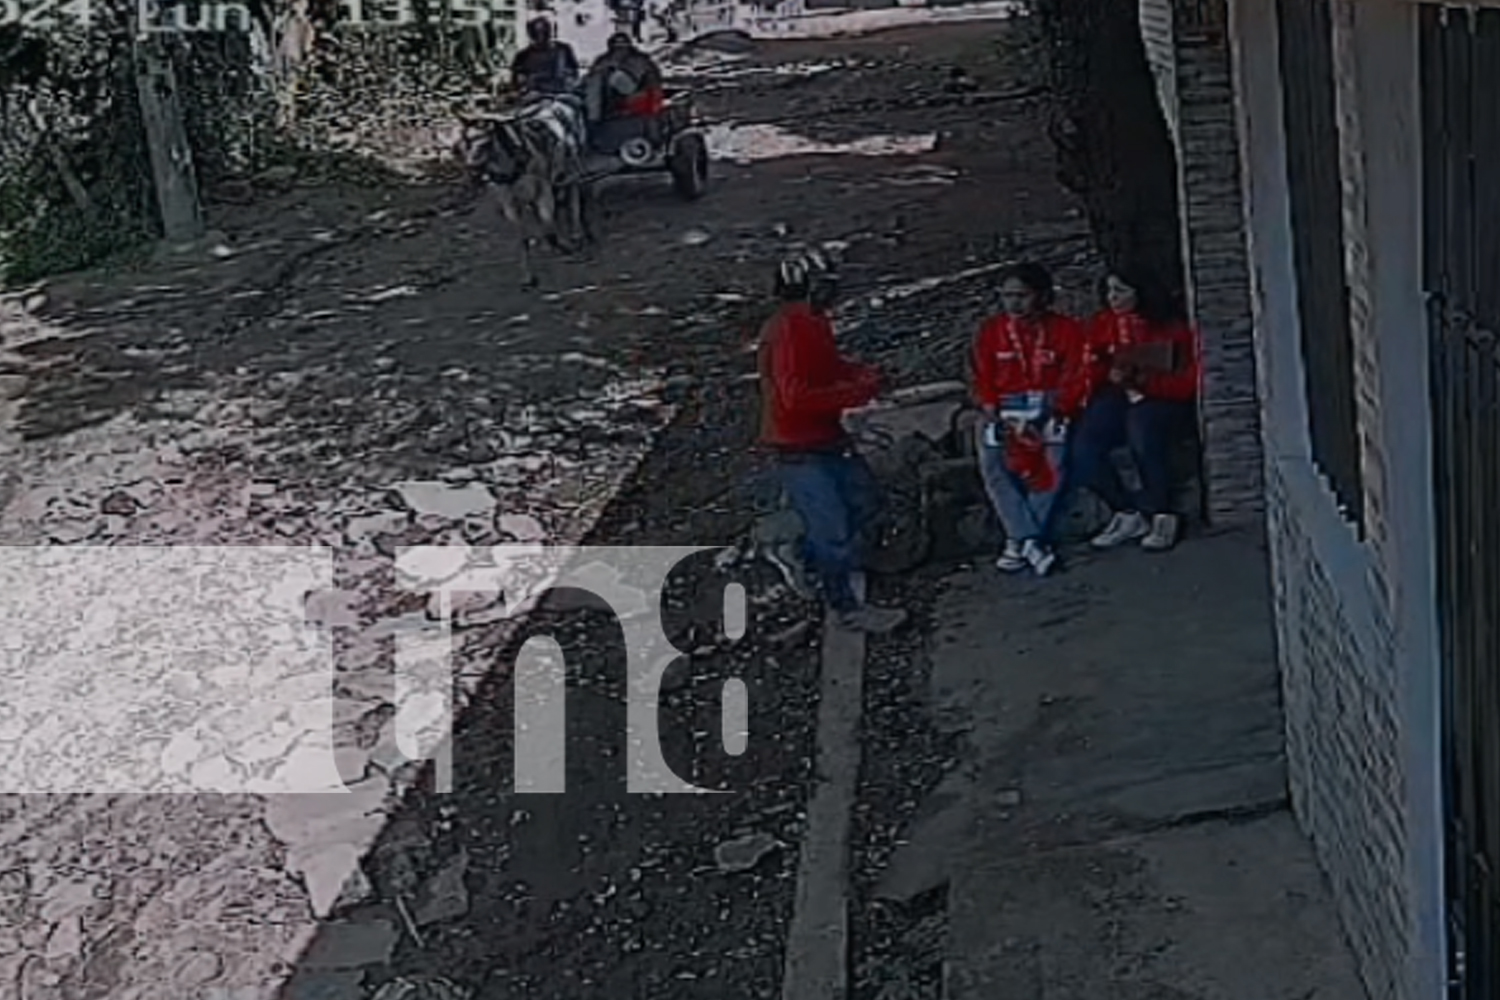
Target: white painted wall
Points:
x,y
1383,41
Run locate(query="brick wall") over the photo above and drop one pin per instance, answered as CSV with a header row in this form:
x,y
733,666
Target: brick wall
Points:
x,y
1339,688
1217,260
1219,277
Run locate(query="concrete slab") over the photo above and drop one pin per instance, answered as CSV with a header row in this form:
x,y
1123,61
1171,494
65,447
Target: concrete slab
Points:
x,y
817,945
1111,713
1211,912
1134,688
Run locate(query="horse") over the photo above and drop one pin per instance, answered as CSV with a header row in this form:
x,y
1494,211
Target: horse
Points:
x,y
532,158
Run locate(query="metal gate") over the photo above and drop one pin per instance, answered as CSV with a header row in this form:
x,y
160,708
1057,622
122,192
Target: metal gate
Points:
x,y
1461,223
1315,192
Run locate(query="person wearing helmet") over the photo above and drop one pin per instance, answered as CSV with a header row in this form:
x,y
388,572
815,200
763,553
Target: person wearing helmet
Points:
x,y
546,66
806,385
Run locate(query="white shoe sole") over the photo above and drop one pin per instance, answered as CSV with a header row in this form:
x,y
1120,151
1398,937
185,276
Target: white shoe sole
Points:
x,y
1107,540
1115,541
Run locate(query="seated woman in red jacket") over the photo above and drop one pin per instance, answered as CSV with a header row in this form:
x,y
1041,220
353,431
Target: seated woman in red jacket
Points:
x,y
1142,382
1028,381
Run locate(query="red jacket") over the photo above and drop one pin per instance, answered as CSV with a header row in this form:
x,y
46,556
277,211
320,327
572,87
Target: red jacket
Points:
x,y
1013,356
646,104
806,385
1110,331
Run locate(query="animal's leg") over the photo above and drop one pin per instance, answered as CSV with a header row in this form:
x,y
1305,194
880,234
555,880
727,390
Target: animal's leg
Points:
x,y
588,207
528,265
573,214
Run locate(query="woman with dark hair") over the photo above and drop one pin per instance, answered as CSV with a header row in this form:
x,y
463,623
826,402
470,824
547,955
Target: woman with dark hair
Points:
x,y
1141,377
1027,379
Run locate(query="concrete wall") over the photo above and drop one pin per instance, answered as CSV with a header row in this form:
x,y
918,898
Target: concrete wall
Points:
x,y
1187,47
1354,617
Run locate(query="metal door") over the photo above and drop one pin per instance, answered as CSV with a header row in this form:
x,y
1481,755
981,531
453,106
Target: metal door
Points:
x,y
1461,246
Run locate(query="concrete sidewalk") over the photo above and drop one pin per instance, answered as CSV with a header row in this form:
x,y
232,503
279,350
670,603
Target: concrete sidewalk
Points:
x,y
1118,827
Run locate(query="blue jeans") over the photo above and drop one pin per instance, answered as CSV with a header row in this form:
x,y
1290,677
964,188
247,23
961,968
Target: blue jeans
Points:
x,y
1023,514
837,497
1149,428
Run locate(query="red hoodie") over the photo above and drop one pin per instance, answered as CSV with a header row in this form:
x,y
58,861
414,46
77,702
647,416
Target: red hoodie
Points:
x,y
806,385
1014,356
1110,331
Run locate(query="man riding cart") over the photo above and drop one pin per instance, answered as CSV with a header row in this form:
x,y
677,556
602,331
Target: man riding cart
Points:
x,y
624,96
620,119
546,66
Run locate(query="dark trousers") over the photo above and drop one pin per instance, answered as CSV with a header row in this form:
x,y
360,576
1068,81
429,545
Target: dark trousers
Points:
x,y
837,497
1150,428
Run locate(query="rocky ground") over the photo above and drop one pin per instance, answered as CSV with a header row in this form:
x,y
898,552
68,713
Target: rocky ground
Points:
x,y
358,368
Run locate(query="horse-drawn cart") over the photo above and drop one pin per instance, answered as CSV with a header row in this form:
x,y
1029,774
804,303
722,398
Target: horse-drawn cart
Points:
x,y
672,141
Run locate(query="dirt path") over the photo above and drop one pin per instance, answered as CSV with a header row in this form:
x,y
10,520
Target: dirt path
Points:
x,y
358,340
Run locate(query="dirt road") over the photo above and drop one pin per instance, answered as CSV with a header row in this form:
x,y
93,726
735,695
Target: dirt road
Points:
x,y
357,344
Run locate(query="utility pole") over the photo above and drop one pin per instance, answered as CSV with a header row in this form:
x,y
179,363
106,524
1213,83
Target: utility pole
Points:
x,y
172,170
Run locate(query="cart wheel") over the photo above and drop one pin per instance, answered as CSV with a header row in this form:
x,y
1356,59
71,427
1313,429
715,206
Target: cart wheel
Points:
x,y
902,541
689,166
903,546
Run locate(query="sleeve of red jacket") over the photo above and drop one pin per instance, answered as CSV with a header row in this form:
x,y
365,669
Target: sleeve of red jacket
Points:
x,y
1076,381
1182,385
982,365
793,370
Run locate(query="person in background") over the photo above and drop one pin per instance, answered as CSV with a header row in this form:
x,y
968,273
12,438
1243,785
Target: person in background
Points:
x,y
806,385
1142,383
630,16
546,66
1025,366
624,82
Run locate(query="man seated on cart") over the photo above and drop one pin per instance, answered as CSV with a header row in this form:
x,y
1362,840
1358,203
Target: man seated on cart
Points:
x,y
546,66
624,95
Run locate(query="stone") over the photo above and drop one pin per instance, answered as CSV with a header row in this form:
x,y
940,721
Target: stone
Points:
x,y
432,564
196,969
69,899
521,527
744,853
66,940
452,502
445,896
362,529
351,944
120,504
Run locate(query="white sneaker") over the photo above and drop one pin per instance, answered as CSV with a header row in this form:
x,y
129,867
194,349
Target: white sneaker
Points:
x,y
1123,527
1012,560
1163,533
1038,557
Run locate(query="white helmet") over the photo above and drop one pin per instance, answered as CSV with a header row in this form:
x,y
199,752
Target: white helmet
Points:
x,y
796,275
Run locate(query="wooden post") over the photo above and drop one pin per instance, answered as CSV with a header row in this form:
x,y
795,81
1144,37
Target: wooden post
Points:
x,y
172,171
